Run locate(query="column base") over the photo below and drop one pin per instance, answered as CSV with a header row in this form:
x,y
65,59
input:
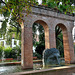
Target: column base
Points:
x,y
26,68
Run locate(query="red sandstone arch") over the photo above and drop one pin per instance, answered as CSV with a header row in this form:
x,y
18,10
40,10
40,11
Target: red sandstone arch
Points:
x,y
49,19
68,54
46,31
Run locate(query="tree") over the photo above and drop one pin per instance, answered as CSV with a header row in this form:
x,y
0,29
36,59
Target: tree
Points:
x,y
40,46
13,31
59,40
39,28
15,8
1,50
12,12
66,6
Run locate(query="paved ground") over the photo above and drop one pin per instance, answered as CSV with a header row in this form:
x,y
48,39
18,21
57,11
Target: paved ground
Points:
x,y
73,73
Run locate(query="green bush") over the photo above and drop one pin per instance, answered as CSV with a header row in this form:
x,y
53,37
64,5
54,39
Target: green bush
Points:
x,y
7,52
39,49
1,50
37,55
10,52
51,4
16,51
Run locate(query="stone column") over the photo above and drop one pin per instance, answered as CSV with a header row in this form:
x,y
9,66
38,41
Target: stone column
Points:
x,y
47,42
52,38
71,46
68,47
26,47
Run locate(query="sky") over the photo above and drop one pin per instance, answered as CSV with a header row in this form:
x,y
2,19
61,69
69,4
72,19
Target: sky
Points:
x,y
40,1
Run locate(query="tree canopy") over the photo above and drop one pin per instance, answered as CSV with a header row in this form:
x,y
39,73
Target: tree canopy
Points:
x,y
11,10
15,8
61,5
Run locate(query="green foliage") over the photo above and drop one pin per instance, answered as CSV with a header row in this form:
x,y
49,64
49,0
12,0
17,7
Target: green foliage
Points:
x,y
59,40
7,52
37,55
16,50
3,28
65,7
10,52
12,12
15,7
36,43
13,31
39,28
1,50
40,45
51,3
42,38
40,48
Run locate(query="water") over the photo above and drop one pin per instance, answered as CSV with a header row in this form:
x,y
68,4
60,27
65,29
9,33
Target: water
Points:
x,y
5,70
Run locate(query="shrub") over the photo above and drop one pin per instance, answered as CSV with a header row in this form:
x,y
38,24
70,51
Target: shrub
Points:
x,y
12,52
37,55
7,52
16,51
39,49
1,50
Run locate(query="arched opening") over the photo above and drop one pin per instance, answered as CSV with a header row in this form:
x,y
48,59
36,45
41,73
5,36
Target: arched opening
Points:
x,y
40,37
59,41
62,35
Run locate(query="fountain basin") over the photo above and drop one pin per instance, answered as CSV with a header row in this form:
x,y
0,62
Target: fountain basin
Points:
x,y
65,70
14,68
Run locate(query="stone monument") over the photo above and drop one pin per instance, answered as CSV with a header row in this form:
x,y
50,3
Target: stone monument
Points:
x,y
51,57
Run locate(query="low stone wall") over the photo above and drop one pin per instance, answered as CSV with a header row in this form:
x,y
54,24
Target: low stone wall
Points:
x,y
65,70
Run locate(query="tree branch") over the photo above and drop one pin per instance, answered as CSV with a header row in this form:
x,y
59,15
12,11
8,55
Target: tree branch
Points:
x,y
60,39
1,21
1,1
